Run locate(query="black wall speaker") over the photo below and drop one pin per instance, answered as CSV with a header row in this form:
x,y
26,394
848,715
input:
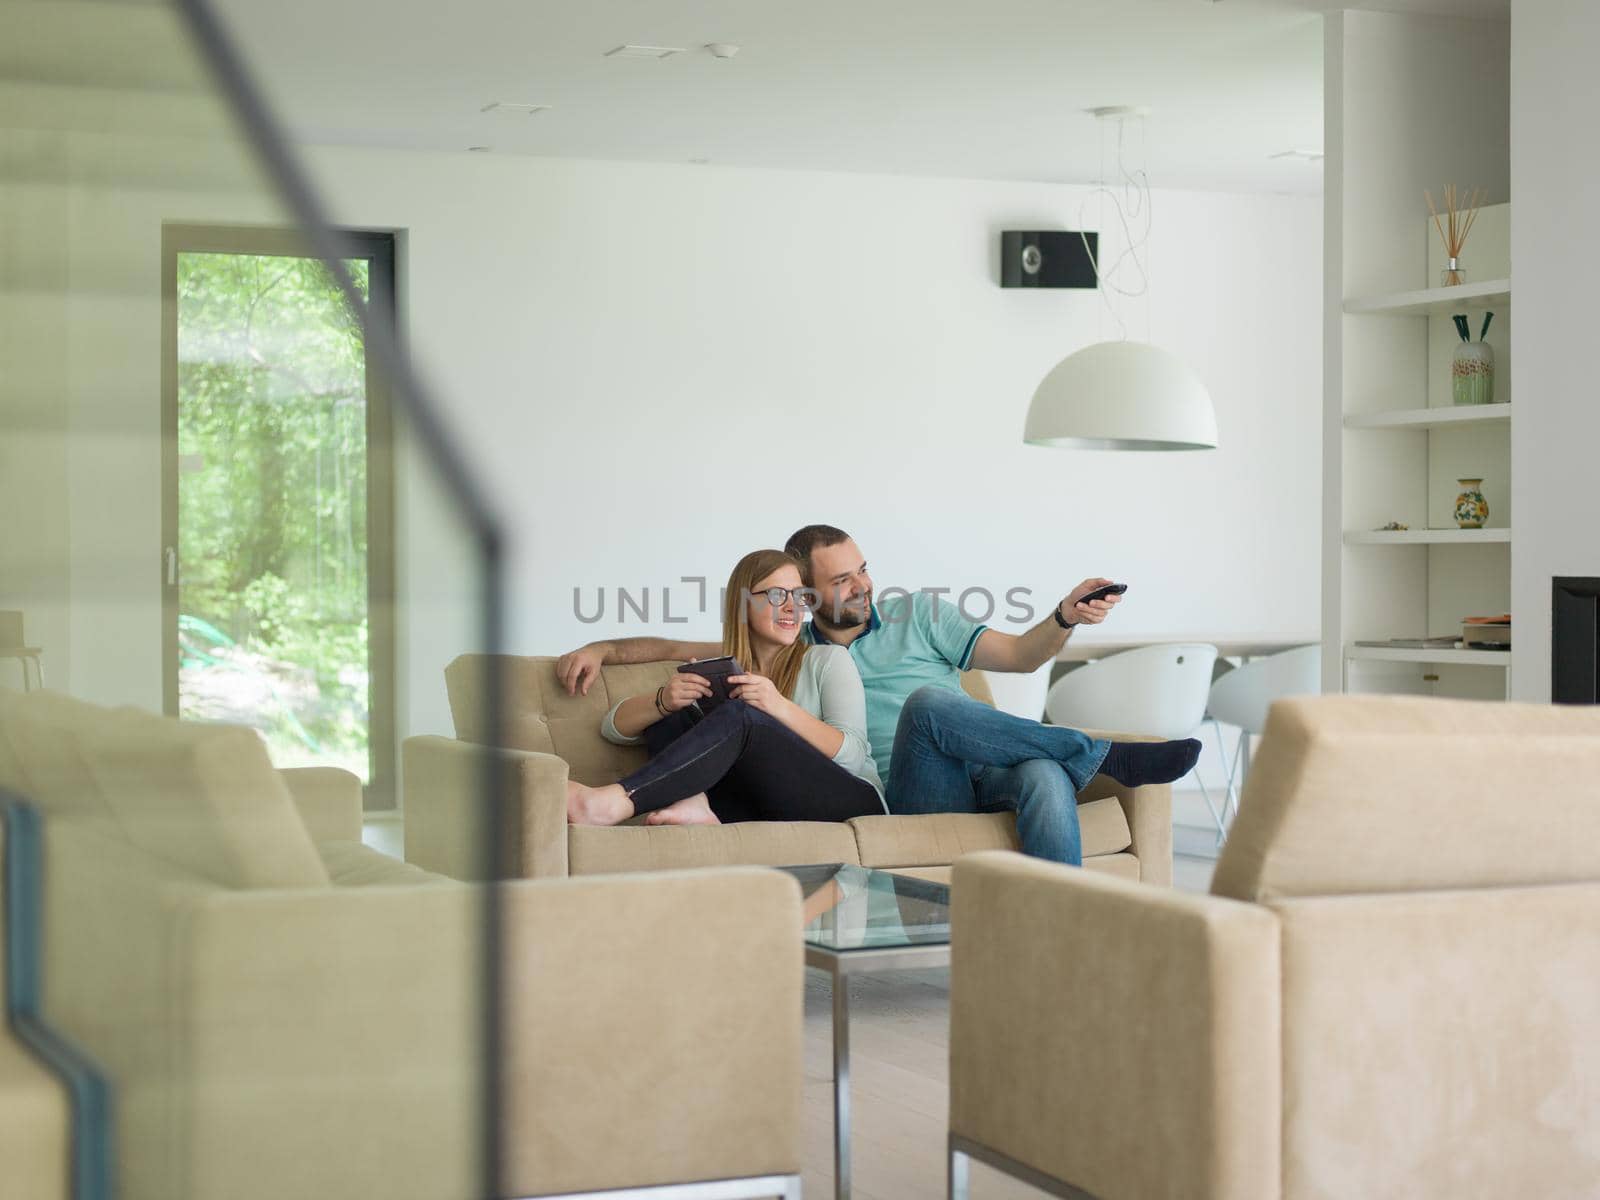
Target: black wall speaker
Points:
x,y
1048,259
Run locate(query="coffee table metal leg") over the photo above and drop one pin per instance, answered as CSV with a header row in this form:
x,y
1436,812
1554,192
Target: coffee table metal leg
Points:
x,y
841,1086
960,1175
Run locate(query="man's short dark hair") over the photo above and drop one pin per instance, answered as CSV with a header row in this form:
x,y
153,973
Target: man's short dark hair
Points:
x,y
803,541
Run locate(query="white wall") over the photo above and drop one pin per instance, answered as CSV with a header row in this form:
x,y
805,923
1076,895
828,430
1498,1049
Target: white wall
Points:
x,y
658,368
1555,108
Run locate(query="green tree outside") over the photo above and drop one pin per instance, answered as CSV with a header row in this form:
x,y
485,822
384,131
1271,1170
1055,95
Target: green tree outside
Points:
x,y
272,504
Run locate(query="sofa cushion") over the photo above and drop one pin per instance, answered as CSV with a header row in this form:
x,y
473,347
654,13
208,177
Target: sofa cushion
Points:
x,y
539,715
1354,794
594,850
938,839
354,864
206,798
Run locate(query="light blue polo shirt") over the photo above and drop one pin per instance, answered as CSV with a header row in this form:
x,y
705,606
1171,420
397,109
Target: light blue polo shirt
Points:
x,y
910,642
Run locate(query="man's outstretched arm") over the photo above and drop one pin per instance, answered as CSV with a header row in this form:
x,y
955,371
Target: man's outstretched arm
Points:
x,y
578,669
1029,651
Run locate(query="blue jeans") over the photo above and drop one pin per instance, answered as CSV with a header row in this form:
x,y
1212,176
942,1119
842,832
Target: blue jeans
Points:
x,y
955,754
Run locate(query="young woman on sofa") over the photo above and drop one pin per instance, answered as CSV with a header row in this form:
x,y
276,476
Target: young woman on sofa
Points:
x,y
791,744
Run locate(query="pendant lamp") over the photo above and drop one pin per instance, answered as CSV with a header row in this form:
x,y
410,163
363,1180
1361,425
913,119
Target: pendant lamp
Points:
x,y
1123,395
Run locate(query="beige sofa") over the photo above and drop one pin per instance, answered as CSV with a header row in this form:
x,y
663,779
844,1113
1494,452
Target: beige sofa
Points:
x,y
1393,991
283,1012
549,735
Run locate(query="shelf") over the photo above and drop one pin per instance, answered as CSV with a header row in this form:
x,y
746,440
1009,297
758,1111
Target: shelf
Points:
x,y
1429,418
1425,537
1458,658
1487,294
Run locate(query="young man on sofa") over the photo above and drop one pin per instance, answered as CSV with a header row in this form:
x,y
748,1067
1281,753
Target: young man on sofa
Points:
x,y
940,750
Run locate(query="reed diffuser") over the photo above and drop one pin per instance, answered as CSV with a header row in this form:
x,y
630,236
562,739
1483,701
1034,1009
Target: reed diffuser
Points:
x,y
1453,229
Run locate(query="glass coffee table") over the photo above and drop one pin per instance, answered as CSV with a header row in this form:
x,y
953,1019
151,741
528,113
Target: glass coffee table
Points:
x,y
864,922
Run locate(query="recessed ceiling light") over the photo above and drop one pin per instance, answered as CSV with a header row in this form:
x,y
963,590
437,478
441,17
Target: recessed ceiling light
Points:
x,y
632,51
513,109
1301,155
698,162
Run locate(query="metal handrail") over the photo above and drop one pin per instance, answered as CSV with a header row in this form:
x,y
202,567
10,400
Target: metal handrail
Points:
x,y
89,1092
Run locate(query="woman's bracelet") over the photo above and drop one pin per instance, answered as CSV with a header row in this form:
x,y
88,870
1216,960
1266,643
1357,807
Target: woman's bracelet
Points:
x,y
660,707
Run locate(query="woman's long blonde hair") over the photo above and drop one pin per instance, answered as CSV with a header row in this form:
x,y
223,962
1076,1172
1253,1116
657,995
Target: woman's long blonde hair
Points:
x,y
747,572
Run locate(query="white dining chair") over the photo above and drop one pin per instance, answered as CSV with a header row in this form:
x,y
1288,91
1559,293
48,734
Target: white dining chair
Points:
x,y
1158,690
1242,697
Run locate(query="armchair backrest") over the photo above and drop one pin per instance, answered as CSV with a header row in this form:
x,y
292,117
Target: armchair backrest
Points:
x,y
1353,794
201,796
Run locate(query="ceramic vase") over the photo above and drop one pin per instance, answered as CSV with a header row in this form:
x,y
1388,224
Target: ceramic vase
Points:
x,y
1472,510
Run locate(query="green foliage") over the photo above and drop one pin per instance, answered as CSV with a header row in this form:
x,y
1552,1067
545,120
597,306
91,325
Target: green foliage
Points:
x,y
273,486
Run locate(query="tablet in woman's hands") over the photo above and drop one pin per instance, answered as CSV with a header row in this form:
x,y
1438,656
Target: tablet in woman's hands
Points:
x,y
714,671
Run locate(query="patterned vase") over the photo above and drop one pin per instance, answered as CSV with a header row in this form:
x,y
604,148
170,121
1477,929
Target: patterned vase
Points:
x,y
1472,510
1472,373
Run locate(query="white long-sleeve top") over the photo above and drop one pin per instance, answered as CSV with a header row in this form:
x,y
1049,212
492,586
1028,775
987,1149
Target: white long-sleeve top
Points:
x,y
829,688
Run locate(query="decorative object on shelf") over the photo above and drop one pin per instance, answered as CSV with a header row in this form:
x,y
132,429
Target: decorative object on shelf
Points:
x,y
1453,230
1122,395
1472,510
1393,527
1472,364
1487,633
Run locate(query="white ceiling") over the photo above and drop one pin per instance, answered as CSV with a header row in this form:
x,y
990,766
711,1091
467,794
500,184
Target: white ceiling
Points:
x,y
991,89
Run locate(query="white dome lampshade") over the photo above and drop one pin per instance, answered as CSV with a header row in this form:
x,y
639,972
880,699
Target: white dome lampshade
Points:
x,y
1122,396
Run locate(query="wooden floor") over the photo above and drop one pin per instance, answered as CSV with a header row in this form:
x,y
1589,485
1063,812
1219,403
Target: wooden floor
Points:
x,y
899,1066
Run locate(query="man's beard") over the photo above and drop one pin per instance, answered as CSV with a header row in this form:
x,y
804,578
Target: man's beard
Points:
x,y
844,617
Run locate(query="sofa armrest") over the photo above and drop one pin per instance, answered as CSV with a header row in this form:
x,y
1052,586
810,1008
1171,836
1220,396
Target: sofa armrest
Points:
x,y
650,1031
328,800
450,819
1149,813
1139,1056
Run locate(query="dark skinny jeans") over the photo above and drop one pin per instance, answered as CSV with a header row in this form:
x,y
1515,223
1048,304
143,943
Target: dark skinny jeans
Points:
x,y
751,766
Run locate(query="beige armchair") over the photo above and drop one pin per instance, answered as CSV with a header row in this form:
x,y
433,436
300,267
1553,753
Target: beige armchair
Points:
x,y
1393,991
283,1012
549,735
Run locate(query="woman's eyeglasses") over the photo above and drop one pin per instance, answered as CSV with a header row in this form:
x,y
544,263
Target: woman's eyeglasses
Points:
x,y
777,596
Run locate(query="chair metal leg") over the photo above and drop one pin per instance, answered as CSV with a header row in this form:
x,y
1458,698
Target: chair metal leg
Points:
x,y
1231,800
960,1174
1205,792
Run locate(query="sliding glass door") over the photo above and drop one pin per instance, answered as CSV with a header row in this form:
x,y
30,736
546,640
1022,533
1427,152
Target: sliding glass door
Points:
x,y
276,559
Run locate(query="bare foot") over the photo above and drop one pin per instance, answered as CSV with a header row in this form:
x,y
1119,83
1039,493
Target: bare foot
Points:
x,y
607,805
691,810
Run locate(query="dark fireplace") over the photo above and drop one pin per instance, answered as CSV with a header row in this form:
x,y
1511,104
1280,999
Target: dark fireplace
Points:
x,y
1575,640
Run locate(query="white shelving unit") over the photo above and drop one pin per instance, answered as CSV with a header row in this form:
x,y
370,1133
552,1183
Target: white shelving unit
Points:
x,y
1426,537
1406,654
1417,420
1397,122
1433,301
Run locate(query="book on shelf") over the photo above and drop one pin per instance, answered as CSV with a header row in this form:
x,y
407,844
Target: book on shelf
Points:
x,y
1486,633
